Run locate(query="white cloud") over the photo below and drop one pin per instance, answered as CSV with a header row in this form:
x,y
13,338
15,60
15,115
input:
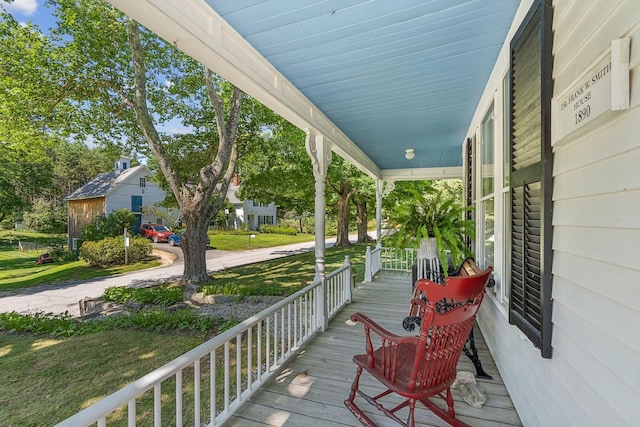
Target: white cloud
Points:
x,y
25,7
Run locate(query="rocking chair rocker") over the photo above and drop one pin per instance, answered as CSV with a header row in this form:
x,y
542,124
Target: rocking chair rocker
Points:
x,y
423,366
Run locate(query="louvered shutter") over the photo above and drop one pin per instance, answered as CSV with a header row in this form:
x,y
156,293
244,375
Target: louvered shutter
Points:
x,y
530,178
467,183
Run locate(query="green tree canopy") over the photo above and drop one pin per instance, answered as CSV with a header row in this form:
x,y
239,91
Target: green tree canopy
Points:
x,y
137,92
279,170
28,89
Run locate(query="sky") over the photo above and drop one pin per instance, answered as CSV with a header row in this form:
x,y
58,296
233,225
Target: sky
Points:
x,y
30,10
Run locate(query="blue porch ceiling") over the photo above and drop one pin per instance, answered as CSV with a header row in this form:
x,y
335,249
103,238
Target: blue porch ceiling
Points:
x,y
389,74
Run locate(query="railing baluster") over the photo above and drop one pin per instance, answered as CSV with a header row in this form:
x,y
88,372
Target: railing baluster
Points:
x,y
131,411
226,376
296,323
157,405
179,398
283,337
305,310
259,362
275,341
196,392
267,366
250,358
289,344
238,367
212,385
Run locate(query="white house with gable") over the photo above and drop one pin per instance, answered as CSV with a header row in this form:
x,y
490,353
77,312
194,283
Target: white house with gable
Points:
x,y
125,187
251,212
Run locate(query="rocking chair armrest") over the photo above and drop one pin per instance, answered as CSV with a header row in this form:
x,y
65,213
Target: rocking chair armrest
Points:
x,y
379,330
420,303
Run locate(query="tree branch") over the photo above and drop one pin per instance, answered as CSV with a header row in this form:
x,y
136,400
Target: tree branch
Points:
x,y
143,116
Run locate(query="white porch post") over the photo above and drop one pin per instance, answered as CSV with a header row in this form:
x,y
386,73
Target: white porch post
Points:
x,y
319,149
382,189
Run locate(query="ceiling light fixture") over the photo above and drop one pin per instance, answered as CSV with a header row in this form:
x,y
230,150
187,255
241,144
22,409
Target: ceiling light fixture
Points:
x,y
409,154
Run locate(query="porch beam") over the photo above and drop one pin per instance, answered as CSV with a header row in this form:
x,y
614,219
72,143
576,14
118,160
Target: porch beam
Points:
x,y
421,173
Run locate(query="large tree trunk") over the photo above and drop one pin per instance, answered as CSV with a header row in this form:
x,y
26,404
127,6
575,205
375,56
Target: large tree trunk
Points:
x,y
197,204
361,218
344,194
194,244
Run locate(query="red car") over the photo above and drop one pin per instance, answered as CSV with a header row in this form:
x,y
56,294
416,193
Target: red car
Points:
x,y
155,232
44,259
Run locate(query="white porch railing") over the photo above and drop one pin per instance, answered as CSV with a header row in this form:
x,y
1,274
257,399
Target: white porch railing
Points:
x,y
384,258
206,385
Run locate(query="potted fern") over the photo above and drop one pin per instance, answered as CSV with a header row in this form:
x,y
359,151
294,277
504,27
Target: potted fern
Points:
x,y
432,221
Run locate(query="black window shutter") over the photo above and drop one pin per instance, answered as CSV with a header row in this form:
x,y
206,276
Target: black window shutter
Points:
x,y
530,178
467,184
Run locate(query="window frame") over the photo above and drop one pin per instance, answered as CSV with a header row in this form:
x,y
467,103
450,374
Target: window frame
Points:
x,y
483,198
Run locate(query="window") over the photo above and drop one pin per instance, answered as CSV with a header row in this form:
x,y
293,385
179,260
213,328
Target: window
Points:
x,y
487,174
488,212
265,219
530,176
487,142
143,182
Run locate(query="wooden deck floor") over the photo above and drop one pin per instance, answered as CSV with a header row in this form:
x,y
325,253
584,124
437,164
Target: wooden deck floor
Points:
x,y
310,391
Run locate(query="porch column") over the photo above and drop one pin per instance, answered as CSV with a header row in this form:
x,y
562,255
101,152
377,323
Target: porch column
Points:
x,y
319,149
382,189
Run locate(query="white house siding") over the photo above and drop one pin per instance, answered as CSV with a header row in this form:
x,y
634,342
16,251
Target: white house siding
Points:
x,y
251,213
596,287
120,197
593,377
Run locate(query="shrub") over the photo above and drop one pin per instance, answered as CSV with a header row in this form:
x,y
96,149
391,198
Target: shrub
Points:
x,y
249,289
59,253
160,320
274,229
149,319
239,232
162,295
110,251
110,226
40,323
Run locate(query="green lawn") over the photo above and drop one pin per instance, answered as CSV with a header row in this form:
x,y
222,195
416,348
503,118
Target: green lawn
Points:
x,y
18,269
46,380
238,242
294,270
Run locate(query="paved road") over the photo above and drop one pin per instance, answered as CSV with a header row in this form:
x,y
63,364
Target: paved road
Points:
x,y
65,297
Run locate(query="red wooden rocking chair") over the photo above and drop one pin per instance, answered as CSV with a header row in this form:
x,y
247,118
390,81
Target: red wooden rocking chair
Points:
x,y
419,367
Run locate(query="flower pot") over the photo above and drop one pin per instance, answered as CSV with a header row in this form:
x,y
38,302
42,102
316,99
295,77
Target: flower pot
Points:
x,y
428,261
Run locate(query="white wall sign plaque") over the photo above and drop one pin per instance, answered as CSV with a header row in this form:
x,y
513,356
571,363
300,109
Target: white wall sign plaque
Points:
x,y
604,88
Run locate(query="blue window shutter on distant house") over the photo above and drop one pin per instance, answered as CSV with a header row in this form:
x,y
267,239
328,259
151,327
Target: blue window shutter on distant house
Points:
x,y
136,203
